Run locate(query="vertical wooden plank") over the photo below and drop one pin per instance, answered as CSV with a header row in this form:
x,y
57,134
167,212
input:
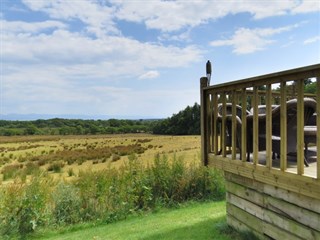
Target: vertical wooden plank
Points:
x,y
223,127
244,125
268,127
283,126
300,126
318,125
215,123
234,125
255,126
203,120
211,123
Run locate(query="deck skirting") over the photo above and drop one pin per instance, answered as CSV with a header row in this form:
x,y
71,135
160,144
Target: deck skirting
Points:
x,y
269,211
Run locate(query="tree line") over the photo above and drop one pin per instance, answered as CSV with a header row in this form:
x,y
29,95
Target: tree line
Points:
x,y
185,122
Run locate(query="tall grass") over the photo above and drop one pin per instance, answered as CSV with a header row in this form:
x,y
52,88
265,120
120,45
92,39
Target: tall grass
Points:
x,y
105,196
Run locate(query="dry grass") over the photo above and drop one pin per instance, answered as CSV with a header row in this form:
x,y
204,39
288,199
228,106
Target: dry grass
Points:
x,y
96,152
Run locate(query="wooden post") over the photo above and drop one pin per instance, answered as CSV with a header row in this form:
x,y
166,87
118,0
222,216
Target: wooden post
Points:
x,y
203,121
318,125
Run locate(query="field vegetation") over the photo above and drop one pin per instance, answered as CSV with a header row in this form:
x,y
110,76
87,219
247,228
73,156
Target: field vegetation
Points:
x,y
64,180
66,156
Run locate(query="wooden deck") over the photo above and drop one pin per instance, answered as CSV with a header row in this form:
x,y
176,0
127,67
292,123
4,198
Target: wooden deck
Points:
x,y
310,171
273,198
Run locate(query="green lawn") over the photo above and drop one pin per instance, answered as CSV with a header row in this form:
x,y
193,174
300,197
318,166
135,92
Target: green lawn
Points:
x,y
194,221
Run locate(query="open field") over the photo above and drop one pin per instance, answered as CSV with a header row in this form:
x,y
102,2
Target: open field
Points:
x,y
65,156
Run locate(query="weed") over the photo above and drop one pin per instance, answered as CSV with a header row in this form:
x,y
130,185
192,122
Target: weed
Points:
x,y
56,167
70,172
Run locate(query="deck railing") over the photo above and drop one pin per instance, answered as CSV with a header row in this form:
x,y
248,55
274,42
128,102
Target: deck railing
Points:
x,y
228,135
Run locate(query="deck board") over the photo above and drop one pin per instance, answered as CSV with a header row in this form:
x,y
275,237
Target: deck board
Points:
x,y
291,162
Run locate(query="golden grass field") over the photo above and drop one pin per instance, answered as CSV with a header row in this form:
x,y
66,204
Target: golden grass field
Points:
x,y
22,153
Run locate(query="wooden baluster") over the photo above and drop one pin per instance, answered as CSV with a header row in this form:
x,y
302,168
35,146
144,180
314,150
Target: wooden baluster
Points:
x,y
255,126
234,125
215,123
300,126
283,126
223,127
244,125
268,127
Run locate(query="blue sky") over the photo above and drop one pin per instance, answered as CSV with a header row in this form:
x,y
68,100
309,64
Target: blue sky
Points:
x,y
143,58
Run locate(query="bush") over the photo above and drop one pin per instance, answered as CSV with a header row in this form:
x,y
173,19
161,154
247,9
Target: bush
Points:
x,y
24,207
67,204
11,171
56,167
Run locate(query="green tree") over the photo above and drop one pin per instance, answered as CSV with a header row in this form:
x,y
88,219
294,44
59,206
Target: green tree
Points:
x,y
186,122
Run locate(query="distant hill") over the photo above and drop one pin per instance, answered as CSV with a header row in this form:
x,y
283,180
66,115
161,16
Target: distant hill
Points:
x,y
31,117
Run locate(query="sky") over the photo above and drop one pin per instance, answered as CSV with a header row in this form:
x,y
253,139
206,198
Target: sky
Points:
x,y
143,58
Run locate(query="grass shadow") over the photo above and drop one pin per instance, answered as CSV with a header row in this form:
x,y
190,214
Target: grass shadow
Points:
x,y
209,229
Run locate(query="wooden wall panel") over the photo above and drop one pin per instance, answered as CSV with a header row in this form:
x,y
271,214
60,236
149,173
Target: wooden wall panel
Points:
x,y
270,212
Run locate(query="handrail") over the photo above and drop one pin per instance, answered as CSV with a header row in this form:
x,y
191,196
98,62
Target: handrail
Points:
x,y
220,132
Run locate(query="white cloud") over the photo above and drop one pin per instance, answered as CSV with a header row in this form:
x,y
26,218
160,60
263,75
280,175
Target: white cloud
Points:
x,y
150,75
169,16
247,40
307,6
26,27
166,16
61,71
47,66
97,17
312,40
106,56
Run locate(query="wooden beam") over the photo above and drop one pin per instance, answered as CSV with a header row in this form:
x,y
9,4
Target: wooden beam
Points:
x,y
288,75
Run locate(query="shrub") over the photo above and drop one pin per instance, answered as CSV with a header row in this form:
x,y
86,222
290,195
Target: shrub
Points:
x,y
24,207
56,167
107,195
31,168
11,171
67,204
